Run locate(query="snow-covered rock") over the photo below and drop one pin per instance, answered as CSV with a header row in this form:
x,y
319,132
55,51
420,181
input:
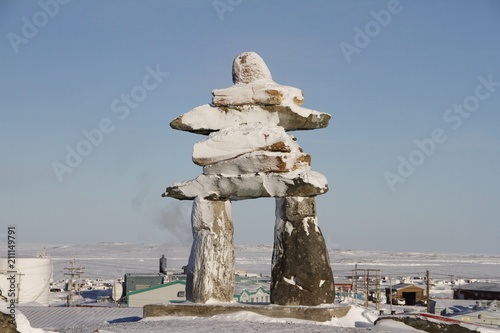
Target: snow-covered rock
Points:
x,y
260,161
235,141
254,99
206,118
299,183
250,67
210,275
257,93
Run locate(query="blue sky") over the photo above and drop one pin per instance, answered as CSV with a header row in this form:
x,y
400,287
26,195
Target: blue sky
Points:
x,y
412,152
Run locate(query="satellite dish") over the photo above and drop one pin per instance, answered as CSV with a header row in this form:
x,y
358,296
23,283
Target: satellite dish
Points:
x,y
117,290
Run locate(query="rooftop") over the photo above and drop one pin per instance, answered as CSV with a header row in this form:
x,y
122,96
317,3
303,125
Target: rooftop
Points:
x,y
482,286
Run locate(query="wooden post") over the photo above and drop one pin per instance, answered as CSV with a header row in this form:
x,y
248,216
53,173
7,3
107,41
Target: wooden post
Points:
x,y
428,292
390,293
366,288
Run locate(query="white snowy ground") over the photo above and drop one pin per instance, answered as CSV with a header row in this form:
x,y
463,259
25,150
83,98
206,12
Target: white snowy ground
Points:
x,y
110,261
243,322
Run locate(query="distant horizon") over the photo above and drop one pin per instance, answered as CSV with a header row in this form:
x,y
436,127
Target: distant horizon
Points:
x,y
188,246
118,259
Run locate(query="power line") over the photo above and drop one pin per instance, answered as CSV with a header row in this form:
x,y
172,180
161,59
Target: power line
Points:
x,y
73,271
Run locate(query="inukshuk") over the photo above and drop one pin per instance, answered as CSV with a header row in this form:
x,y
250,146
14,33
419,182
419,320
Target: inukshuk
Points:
x,y
248,154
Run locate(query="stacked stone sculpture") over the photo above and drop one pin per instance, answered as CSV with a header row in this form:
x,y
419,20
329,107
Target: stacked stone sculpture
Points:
x,y
248,154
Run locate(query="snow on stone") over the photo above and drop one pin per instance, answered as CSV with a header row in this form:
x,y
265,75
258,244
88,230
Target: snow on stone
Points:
x,y
250,67
260,161
296,183
394,326
305,224
211,263
291,280
321,282
314,220
313,178
288,228
232,142
206,118
268,93
254,98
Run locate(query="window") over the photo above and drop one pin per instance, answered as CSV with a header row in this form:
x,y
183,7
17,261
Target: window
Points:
x,y
181,294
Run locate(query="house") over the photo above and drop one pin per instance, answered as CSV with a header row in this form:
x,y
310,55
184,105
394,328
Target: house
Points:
x,y
478,291
411,294
137,281
169,292
259,296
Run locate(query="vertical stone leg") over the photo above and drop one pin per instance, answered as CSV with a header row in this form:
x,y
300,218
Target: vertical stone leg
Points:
x,y
211,263
301,272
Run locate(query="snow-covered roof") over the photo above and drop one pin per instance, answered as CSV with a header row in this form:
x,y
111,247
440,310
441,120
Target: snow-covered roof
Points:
x,y
480,286
403,286
165,285
143,274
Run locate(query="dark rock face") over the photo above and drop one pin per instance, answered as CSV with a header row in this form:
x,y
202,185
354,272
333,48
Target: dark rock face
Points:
x,y
301,272
429,326
7,324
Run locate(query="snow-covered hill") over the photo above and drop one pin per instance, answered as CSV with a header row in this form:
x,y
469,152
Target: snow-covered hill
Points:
x,y
113,260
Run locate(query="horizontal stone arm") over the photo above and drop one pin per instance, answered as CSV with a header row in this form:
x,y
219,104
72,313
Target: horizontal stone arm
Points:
x,y
300,183
206,118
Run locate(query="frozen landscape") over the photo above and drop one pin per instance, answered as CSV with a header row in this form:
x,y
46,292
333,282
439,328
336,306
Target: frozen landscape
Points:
x,y
110,261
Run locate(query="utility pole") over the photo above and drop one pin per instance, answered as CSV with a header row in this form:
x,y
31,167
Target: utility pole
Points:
x,y
377,287
390,293
19,287
367,276
459,285
73,271
428,290
355,282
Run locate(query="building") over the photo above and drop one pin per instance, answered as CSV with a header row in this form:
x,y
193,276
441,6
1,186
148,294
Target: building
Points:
x,y
137,281
411,294
169,292
478,291
259,296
